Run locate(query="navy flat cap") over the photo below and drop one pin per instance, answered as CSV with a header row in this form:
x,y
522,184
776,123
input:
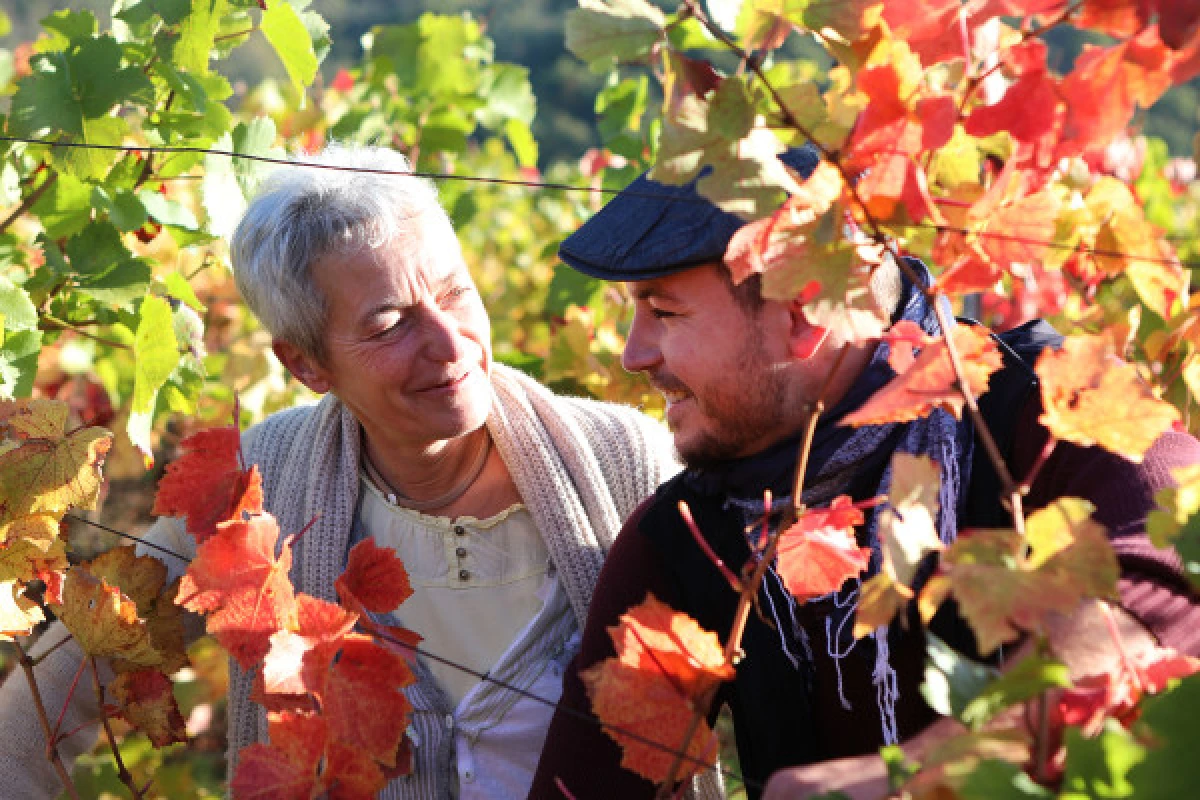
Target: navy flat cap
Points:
x,y
652,229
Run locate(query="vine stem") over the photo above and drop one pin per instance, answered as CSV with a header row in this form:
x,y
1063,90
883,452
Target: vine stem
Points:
x,y
51,744
122,772
28,202
746,598
55,322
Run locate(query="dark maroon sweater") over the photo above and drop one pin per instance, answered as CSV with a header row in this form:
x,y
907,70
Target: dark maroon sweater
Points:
x,y
1152,587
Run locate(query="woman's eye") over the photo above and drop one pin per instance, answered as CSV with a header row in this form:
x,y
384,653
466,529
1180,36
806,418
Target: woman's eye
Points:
x,y
660,313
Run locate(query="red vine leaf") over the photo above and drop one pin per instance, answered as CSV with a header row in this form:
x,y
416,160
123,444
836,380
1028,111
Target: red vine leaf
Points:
x,y
236,579
374,579
146,701
207,484
819,552
285,769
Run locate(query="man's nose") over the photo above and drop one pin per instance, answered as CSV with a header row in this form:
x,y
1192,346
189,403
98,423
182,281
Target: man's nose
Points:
x,y
641,352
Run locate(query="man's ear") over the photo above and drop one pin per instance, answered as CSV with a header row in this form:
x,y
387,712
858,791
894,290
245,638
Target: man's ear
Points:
x,y
304,367
804,338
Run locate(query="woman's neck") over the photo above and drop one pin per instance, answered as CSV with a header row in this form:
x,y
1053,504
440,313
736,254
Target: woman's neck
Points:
x,y
431,477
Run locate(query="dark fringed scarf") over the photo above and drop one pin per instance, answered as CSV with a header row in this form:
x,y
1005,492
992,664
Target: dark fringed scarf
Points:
x,y
840,457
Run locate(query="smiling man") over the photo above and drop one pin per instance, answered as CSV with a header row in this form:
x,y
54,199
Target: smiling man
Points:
x,y
738,372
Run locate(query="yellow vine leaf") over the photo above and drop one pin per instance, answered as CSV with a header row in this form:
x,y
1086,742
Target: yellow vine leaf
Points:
x,y
45,469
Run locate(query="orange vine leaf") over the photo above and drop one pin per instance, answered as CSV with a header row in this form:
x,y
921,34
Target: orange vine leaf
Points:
x,y
1091,397
664,663
930,381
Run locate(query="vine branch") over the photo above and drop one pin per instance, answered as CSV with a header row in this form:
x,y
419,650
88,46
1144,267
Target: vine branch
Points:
x,y
51,744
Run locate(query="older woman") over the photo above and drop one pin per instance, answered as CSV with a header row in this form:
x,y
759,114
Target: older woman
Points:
x,y
500,497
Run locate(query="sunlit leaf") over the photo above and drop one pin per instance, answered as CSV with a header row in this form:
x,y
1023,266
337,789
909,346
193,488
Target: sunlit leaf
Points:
x,y
1091,397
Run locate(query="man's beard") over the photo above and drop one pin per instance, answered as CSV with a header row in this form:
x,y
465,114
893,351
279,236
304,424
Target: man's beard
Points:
x,y
740,411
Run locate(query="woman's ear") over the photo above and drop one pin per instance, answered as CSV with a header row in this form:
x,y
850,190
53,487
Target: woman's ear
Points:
x,y
804,338
303,366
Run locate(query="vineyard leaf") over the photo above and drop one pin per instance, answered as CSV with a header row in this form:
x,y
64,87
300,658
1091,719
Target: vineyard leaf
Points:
x,y
360,695
156,351
1124,242
207,485
628,698
196,36
664,660
879,600
374,577
1099,766
819,552
930,382
747,178
39,528
285,769
282,27
140,578
1030,109
18,363
622,29
146,701
1093,398
997,599
1000,592
104,621
165,623
1087,565
351,774
1108,83
1028,678
236,579
731,110
1171,769
319,622
24,559
18,614
654,636
907,526
229,181
16,309
951,679
50,471
73,93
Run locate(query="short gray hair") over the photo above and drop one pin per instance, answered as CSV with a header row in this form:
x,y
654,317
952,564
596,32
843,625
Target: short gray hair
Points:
x,y
303,214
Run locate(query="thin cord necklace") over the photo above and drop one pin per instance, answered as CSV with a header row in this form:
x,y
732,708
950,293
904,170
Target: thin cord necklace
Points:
x,y
397,498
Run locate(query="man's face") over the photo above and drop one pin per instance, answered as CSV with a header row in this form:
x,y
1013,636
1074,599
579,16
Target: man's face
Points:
x,y
719,366
407,340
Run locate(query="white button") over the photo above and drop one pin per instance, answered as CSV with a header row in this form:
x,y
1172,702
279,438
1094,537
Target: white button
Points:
x,y
450,721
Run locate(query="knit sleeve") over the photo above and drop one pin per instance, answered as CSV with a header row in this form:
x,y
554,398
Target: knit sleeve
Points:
x,y
27,773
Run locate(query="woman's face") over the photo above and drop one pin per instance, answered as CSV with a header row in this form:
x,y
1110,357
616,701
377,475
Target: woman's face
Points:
x,y
407,341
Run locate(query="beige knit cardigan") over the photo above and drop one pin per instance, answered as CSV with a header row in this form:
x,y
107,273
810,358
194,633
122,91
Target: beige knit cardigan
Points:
x,y
581,467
